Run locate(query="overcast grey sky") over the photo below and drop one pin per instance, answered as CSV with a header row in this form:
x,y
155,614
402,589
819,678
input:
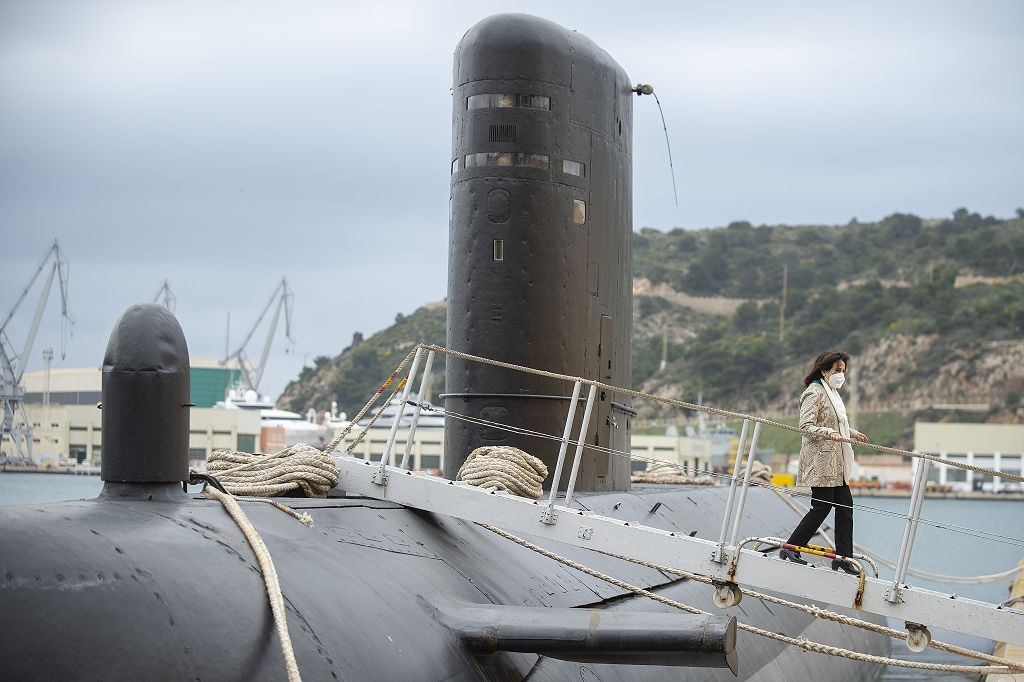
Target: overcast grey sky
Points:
x,y
222,145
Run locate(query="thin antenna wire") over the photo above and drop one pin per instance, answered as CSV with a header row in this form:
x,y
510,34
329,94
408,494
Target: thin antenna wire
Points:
x,y
670,166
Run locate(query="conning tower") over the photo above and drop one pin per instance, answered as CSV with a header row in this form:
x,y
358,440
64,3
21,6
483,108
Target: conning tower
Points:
x,y
540,260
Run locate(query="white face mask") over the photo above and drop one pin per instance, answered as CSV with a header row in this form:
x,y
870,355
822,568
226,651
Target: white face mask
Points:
x,y
837,380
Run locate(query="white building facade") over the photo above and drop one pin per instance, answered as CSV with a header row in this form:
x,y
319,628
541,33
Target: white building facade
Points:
x,y
993,446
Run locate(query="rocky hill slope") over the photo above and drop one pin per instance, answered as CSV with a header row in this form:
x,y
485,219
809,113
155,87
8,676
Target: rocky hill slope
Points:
x,y
932,310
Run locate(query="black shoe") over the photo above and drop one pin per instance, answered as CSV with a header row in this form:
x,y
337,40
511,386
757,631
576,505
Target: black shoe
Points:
x,y
791,555
847,566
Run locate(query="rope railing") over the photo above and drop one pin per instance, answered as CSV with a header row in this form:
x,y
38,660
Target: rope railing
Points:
x,y
780,490
333,445
529,432
693,471
1005,475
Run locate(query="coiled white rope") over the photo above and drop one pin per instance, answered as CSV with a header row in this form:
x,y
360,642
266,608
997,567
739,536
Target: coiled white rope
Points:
x,y
300,467
666,472
505,469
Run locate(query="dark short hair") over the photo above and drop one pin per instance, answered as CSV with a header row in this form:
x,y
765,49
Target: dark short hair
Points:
x,y
824,362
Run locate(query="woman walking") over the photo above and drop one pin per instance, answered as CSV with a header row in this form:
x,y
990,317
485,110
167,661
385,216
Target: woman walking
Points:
x,y
826,463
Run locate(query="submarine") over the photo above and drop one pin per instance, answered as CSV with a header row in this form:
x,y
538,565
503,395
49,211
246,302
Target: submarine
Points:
x,y
151,580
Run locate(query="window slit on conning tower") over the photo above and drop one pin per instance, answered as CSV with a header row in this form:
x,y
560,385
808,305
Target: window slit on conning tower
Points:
x,y
579,211
570,167
507,159
498,250
497,101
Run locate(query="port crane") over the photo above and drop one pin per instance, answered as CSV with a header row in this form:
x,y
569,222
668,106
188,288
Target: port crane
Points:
x,y
250,375
16,425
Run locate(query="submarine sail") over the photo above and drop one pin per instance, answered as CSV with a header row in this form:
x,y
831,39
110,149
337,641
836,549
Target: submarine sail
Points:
x,y
539,261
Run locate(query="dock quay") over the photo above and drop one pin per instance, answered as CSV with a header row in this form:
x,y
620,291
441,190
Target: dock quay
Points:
x,y
80,470
941,494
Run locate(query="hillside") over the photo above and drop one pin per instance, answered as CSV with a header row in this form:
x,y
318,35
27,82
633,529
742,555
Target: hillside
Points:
x,y
351,377
933,311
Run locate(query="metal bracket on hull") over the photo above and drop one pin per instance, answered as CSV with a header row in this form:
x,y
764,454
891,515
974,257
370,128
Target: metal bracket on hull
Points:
x,y
516,514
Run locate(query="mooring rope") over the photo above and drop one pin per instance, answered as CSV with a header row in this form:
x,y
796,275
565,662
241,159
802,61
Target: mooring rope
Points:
x,y
801,642
502,471
270,578
300,467
825,614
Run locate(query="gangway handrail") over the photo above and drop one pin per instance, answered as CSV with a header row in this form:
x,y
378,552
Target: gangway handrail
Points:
x,y
717,411
914,605
605,534
782,490
340,438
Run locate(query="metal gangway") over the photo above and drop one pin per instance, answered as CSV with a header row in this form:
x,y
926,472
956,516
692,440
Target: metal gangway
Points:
x,y
729,563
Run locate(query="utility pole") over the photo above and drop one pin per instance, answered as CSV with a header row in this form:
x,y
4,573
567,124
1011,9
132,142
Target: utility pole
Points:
x,y
782,303
854,393
47,359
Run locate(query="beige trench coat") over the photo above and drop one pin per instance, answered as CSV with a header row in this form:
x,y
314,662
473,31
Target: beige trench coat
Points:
x,y
821,458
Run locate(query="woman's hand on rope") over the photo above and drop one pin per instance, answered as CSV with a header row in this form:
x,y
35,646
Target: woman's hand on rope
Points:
x,y
862,437
835,435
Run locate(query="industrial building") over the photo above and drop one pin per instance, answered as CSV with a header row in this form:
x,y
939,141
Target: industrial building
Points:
x,y
993,446
62,409
427,451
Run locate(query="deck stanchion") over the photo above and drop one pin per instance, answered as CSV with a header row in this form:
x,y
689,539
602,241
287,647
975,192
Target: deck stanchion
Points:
x,y
579,444
746,484
380,478
910,530
549,515
419,408
915,515
720,554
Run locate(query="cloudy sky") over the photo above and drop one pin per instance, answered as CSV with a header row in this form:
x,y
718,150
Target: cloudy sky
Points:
x,y
224,145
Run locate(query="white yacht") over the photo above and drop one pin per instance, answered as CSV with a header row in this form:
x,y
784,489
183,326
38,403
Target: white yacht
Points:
x,y
278,428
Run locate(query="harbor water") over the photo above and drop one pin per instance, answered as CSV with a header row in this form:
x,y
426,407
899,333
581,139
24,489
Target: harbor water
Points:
x,y
948,550
943,545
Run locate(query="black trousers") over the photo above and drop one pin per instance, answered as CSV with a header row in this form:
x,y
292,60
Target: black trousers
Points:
x,y
823,500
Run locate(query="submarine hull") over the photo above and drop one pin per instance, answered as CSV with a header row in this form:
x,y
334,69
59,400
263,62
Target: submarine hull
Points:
x,y
151,589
